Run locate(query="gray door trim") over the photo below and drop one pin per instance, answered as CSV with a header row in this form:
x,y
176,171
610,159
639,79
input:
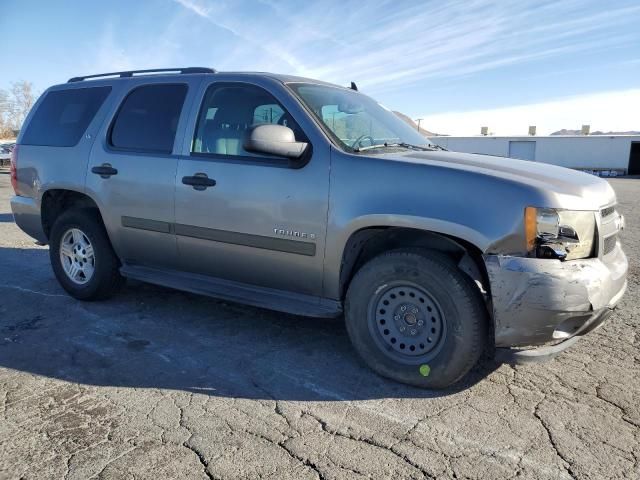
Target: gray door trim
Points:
x,y
223,236
145,224
247,239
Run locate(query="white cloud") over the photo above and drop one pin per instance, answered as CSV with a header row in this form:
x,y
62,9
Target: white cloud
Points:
x,y
110,55
199,8
113,52
389,46
606,111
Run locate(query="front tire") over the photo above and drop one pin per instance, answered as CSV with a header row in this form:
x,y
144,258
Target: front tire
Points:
x,y
414,317
81,256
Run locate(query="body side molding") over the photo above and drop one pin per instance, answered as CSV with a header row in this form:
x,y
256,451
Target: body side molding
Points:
x,y
224,236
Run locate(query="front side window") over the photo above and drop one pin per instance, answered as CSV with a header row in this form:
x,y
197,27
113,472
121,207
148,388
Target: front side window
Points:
x,y
356,121
227,114
267,114
148,118
63,116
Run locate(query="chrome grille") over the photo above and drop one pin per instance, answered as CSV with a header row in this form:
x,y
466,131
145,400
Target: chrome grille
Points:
x,y
608,244
605,212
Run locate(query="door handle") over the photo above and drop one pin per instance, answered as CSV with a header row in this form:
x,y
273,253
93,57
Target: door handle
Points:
x,y
105,170
199,181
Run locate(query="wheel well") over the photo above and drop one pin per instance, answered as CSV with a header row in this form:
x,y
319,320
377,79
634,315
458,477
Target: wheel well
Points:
x,y
55,202
368,243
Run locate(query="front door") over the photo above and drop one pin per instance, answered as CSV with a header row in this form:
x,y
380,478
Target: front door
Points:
x,y
262,219
131,174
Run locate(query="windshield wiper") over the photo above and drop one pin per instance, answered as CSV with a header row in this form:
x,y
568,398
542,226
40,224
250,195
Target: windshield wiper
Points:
x,y
431,147
434,146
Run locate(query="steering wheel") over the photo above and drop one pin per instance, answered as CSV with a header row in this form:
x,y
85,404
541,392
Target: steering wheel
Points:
x,y
359,140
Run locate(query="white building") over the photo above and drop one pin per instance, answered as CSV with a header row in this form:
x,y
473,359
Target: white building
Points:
x,y
600,154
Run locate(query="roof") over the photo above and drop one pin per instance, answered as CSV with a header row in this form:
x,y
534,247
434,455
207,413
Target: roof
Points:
x,y
529,137
171,72
284,78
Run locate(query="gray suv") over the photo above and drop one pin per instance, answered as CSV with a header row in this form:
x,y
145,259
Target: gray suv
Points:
x,y
310,198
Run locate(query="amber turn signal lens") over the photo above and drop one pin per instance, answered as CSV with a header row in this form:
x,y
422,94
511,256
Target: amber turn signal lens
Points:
x,y
530,227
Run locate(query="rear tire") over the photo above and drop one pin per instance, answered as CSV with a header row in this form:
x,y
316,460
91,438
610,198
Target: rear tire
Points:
x,y
414,317
81,256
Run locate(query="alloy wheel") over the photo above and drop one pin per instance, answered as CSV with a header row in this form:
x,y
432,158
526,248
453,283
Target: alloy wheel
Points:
x,y
77,256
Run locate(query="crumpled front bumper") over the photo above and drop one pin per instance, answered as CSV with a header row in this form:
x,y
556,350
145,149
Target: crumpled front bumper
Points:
x,y
538,301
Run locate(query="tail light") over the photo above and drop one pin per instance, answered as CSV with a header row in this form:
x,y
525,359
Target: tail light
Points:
x,y
14,169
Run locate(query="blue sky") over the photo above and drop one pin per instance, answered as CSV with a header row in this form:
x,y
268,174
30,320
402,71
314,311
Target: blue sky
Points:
x,y
455,63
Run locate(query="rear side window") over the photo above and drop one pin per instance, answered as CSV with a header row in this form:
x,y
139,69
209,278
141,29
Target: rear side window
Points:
x,y
148,118
63,116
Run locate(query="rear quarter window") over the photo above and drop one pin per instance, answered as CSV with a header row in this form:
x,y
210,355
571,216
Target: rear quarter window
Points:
x,y
63,116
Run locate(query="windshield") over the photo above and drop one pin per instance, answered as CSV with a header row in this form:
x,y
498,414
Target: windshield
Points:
x,y
357,121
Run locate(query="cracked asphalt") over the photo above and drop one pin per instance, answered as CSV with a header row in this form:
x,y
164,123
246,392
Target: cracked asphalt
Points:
x,y
156,383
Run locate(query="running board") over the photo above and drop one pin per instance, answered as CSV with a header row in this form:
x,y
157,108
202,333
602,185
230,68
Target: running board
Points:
x,y
272,299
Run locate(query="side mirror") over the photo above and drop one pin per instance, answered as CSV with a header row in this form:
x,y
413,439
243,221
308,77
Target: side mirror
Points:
x,y
274,140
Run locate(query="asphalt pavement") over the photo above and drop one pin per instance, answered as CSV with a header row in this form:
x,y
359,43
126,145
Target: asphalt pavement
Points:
x,y
157,383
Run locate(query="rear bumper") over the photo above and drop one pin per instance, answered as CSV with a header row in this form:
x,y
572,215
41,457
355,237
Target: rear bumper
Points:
x,y
538,301
26,213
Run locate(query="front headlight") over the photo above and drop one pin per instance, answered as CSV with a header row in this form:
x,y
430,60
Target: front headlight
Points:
x,y
561,234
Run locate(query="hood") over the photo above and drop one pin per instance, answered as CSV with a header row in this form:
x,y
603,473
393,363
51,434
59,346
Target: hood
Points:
x,y
572,189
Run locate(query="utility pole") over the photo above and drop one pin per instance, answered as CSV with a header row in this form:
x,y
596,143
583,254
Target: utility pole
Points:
x,y
419,120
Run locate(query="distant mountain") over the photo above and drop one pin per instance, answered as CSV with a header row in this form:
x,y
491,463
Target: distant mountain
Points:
x,y
630,132
564,131
408,120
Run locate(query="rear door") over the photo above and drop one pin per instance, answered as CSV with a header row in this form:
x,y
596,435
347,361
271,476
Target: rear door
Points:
x,y
262,221
132,168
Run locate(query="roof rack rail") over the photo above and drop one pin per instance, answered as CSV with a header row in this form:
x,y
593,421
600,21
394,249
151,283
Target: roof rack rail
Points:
x,y
131,73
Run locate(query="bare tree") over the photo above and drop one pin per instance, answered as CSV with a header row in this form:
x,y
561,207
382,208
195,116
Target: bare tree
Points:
x,y
14,107
23,98
5,113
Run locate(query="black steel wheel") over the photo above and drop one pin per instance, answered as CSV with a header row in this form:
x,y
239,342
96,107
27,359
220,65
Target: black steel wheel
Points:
x,y
413,316
408,323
